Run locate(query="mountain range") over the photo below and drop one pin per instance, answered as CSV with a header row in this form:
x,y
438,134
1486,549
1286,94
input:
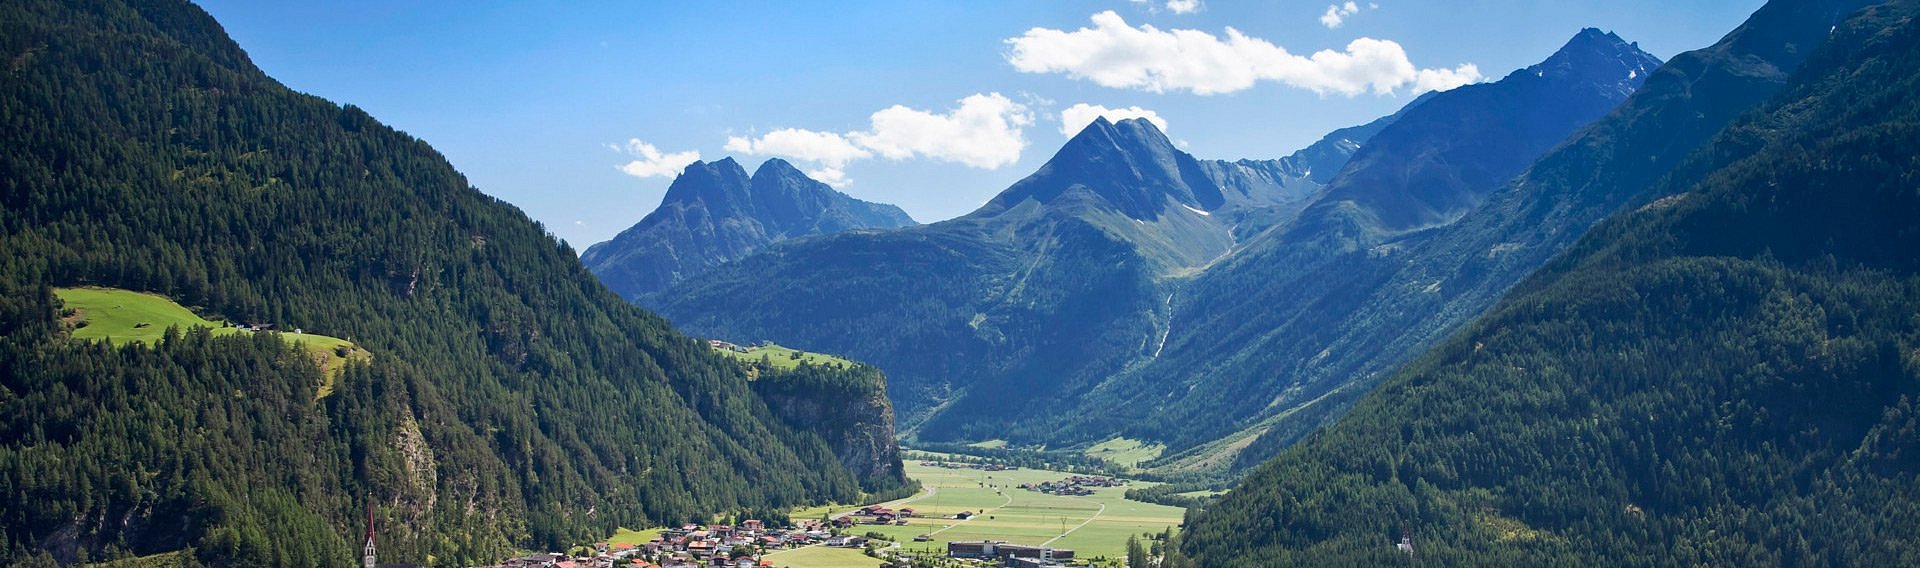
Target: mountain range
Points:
x,y
714,213
1079,305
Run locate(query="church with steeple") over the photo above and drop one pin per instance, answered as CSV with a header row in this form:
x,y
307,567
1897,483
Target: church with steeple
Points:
x,y
367,553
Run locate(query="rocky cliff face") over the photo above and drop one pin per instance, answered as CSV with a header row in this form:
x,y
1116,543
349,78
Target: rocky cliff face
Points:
x,y
846,406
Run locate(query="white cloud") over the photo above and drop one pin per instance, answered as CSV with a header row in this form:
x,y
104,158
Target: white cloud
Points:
x,y
651,162
1183,6
1115,54
1337,14
826,148
1077,117
830,176
1443,79
984,132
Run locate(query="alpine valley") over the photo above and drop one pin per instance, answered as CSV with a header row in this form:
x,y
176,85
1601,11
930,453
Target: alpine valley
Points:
x,y
1604,309
1129,290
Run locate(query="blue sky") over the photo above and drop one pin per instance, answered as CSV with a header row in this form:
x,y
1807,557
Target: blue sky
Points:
x,y
931,106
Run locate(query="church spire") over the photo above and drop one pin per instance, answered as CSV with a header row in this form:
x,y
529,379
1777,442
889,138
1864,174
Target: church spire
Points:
x,y
366,560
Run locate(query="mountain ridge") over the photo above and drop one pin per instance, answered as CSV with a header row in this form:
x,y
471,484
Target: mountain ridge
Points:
x,y
1720,374
714,212
1378,307
1073,276
1296,276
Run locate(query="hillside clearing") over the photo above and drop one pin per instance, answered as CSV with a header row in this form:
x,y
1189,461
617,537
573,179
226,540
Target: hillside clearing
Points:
x,y
1125,452
125,316
778,356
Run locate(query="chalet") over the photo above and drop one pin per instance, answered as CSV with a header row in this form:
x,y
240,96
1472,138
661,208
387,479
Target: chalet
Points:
x,y
847,541
700,548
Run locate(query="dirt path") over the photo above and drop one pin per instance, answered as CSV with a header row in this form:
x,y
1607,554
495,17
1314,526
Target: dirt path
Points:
x,y
1096,515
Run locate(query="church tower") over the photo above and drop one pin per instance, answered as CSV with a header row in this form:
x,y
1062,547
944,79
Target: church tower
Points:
x,y
366,560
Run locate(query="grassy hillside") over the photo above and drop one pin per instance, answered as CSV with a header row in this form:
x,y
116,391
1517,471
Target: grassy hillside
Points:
x,y
125,316
780,357
1724,376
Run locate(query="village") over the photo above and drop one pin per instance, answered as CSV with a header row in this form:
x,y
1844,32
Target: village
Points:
x,y
747,544
692,546
902,533
1078,485
978,466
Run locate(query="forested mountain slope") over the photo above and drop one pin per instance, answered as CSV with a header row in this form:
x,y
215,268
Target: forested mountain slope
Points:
x,y
1725,375
511,400
714,213
1272,350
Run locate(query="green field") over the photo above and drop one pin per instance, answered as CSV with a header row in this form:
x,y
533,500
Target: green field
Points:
x,y
1093,526
625,535
1125,452
783,357
125,316
821,557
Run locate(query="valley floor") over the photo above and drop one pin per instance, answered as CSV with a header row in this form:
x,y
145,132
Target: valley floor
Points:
x,y
1095,525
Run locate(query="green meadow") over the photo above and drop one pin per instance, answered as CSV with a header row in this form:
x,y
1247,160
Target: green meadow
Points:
x,y
1093,526
821,557
125,316
1125,452
783,357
